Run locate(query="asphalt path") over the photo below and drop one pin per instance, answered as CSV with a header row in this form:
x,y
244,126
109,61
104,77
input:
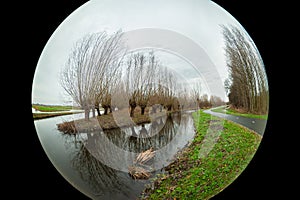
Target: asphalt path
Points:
x,y
257,125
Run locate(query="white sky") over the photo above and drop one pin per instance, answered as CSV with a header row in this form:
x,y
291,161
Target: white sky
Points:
x,y
198,20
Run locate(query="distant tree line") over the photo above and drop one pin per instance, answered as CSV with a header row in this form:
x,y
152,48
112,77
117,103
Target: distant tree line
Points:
x,y
246,85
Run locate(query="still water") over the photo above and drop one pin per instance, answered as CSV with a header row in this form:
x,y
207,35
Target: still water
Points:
x,y
96,163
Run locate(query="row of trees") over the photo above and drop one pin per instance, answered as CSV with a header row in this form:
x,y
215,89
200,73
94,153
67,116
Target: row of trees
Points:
x,y
246,86
100,72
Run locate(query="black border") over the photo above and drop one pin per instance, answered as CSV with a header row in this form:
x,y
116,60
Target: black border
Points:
x,y
261,179
39,178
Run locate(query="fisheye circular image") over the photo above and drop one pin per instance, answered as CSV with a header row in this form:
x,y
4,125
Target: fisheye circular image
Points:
x,y
150,99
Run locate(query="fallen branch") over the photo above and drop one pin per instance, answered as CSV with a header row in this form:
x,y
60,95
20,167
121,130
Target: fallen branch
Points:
x,y
139,170
145,156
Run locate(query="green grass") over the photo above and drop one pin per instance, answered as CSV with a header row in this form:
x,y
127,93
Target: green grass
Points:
x,y
234,112
48,108
200,173
37,116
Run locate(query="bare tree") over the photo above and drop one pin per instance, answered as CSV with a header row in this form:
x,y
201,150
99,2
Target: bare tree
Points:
x,y
112,77
157,99
85,77
132,82
150,84
247,85
147,75
183,97
141,73
204,101
196,93
119,96
216,101
169,82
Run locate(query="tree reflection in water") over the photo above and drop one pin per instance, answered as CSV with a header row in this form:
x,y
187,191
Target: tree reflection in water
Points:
x,y
140,138
100,178
95,155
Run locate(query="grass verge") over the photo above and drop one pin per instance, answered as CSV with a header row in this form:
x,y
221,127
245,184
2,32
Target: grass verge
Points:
x,y
49,108
192,176
235,112
37,116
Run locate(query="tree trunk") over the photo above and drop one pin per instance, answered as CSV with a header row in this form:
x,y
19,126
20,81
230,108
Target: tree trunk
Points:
x,y
93,112
160,108
143,110
105,110
132,111
169,107
154,107
132,104
86,113
98,111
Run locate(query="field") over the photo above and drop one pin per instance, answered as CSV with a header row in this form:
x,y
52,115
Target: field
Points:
x,y
51,108
46,111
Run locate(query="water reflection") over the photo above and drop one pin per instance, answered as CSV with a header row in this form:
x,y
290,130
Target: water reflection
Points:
x,y
140,138
101,179
106,182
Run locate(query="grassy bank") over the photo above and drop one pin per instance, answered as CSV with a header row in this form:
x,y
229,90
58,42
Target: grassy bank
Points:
x,y
37,116
50,108
200,174
237,113
117,119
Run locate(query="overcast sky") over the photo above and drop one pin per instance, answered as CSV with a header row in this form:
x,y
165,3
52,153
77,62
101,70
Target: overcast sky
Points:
x,y
194,21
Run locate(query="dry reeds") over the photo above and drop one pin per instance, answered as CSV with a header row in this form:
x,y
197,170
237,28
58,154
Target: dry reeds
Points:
x,y
67,127
140,169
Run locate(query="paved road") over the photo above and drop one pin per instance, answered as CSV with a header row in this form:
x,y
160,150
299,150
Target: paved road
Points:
x,y
258,125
